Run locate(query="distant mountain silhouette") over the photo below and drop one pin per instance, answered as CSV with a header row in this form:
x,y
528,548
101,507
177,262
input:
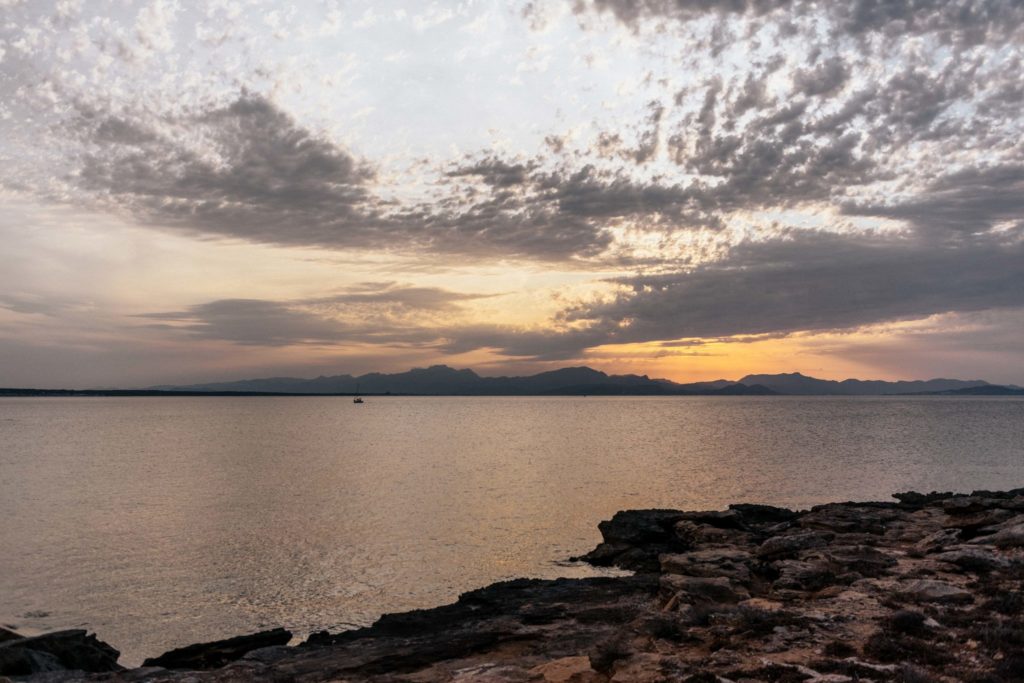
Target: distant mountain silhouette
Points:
x,y
443,380
984,390
797,384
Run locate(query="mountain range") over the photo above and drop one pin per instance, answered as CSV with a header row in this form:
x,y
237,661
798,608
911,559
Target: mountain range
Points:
x,y
443,380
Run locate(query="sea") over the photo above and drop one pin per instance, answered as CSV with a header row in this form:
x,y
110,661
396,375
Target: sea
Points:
x,y
161,521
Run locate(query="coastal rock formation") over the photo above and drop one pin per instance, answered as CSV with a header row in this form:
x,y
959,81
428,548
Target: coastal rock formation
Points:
x,y
58,651
928,588
220,652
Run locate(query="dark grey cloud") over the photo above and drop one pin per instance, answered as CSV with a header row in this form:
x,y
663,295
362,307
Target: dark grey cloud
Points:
x,y
583,198
962,23
406,296
32,304
928,136
632,11
254,322
969,201
373,312
823,79
259,176
815,281
496,172
803,281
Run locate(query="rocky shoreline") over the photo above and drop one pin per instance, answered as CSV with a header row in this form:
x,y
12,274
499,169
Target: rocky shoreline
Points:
x,y
927,588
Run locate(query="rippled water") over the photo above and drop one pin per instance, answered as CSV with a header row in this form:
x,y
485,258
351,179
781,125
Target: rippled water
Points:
x,y
159,522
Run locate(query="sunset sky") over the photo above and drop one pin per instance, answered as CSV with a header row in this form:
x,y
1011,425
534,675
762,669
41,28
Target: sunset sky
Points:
x,y
691,189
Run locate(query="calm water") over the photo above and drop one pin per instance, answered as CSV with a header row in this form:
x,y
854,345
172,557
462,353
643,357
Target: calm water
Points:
x,y
159,522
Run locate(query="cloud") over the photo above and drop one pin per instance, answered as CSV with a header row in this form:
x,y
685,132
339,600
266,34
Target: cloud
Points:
x,y
981,345
259,176
734,167
969,201
799,120
814,281
35,304
582,200
954,22
254,322
804,281
378,313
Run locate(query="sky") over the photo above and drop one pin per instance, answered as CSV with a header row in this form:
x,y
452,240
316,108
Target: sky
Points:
x,y
690,189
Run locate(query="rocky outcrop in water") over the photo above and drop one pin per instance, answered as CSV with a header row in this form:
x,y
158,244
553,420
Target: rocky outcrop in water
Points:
x,y
219,652
73,650
928,588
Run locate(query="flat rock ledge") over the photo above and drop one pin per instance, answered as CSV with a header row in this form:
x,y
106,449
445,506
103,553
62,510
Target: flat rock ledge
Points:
x,y
928,588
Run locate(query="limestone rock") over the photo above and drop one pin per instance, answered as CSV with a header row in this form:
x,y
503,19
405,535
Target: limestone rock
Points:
x,y
566,670
779,547
862,559
803,576
937,540
978,520
717,589
973,559
760,515
727,562
852,518
928,590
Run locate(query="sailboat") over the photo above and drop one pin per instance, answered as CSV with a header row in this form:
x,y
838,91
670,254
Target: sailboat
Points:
x,y
358,398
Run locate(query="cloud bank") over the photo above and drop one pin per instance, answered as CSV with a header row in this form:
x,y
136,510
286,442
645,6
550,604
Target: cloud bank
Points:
x,y
717,168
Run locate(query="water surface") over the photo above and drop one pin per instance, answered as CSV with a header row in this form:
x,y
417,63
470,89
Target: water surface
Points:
x,y
159,522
